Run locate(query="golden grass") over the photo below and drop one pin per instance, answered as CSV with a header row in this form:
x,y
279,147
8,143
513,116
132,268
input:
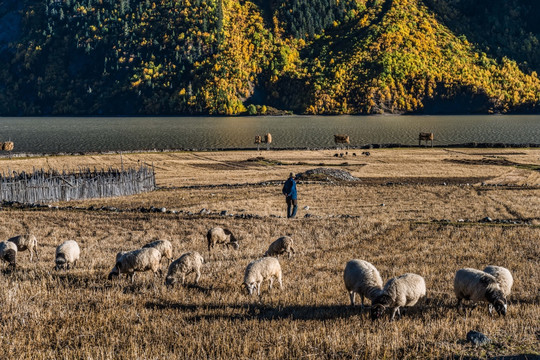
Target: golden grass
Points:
x,y
79,314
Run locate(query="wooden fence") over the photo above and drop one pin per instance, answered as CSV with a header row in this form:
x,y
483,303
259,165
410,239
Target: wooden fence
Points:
x,y
42,186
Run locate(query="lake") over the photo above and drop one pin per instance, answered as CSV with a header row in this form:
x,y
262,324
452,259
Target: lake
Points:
x,y
65,134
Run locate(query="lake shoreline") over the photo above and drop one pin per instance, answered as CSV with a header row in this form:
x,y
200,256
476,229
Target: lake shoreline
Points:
x,y
5,155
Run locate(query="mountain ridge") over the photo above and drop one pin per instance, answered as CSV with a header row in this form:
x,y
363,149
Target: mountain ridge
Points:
x,y
225,57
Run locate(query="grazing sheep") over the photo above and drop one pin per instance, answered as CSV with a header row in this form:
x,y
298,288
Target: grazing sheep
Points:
x,y
67,254
363,278
403,290
8,253
137,260
219,235
164,247
26,242
186,264
281,246
503,276
266,268
120,254
476,285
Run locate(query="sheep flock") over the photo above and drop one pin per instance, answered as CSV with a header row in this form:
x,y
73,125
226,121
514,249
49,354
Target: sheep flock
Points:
x,y
492,285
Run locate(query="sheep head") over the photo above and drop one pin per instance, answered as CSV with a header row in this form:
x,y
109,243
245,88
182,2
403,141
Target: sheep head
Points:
x,y
115,272
170,281
232,239
377,311
250,288
500,306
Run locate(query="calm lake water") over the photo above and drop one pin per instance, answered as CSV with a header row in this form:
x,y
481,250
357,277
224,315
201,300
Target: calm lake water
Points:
x,y
53,135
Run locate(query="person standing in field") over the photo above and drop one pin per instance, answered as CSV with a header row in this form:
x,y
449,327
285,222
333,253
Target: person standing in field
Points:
x,y
289,190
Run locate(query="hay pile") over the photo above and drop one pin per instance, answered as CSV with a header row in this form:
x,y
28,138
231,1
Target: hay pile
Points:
x,y
326,174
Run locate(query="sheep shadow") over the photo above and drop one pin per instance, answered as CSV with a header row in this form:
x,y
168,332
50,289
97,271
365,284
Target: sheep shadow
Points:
x,y
259,311
506,357
196,287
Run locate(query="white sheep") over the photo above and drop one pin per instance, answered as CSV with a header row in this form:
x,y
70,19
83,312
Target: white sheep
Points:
x,y
403,290
26,242
186,264
8,253
476,285
503,276
137,261
266,268
281,246
164,247
219,235
363,278
67,254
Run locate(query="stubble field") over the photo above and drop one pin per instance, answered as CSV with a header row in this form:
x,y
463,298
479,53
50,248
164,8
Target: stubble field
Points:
x,y
386,218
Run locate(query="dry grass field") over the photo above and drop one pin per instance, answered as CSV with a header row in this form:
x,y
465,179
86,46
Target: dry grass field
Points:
x,y
385,218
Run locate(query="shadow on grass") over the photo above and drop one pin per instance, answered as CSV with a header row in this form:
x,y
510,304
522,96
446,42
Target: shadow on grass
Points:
x,y
262,312
506,357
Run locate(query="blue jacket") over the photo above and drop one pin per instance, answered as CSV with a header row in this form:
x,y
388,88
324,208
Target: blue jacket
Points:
x,y
289,188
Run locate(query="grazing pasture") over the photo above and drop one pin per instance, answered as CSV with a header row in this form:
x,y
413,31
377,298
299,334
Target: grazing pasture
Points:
x,y
412,211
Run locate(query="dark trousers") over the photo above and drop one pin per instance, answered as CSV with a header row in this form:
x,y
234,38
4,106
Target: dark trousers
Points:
x,y
294,204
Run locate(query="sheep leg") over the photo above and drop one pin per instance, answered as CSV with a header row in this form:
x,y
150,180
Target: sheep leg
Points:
x,y
280,282
259,288
395,310
132,276
31,252
351,296
490,309
474,305
183,279
459,305
271,282
197,277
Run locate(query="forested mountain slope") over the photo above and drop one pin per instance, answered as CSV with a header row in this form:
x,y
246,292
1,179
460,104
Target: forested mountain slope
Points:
x,y
126,57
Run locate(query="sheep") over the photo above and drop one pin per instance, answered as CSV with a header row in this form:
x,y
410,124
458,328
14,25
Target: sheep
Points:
x,y
281,246
403,290
137,260
8,253
219,235
164,247
503,276
363,278
120,254
67,254
266,268
476,285
185,265
26,242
